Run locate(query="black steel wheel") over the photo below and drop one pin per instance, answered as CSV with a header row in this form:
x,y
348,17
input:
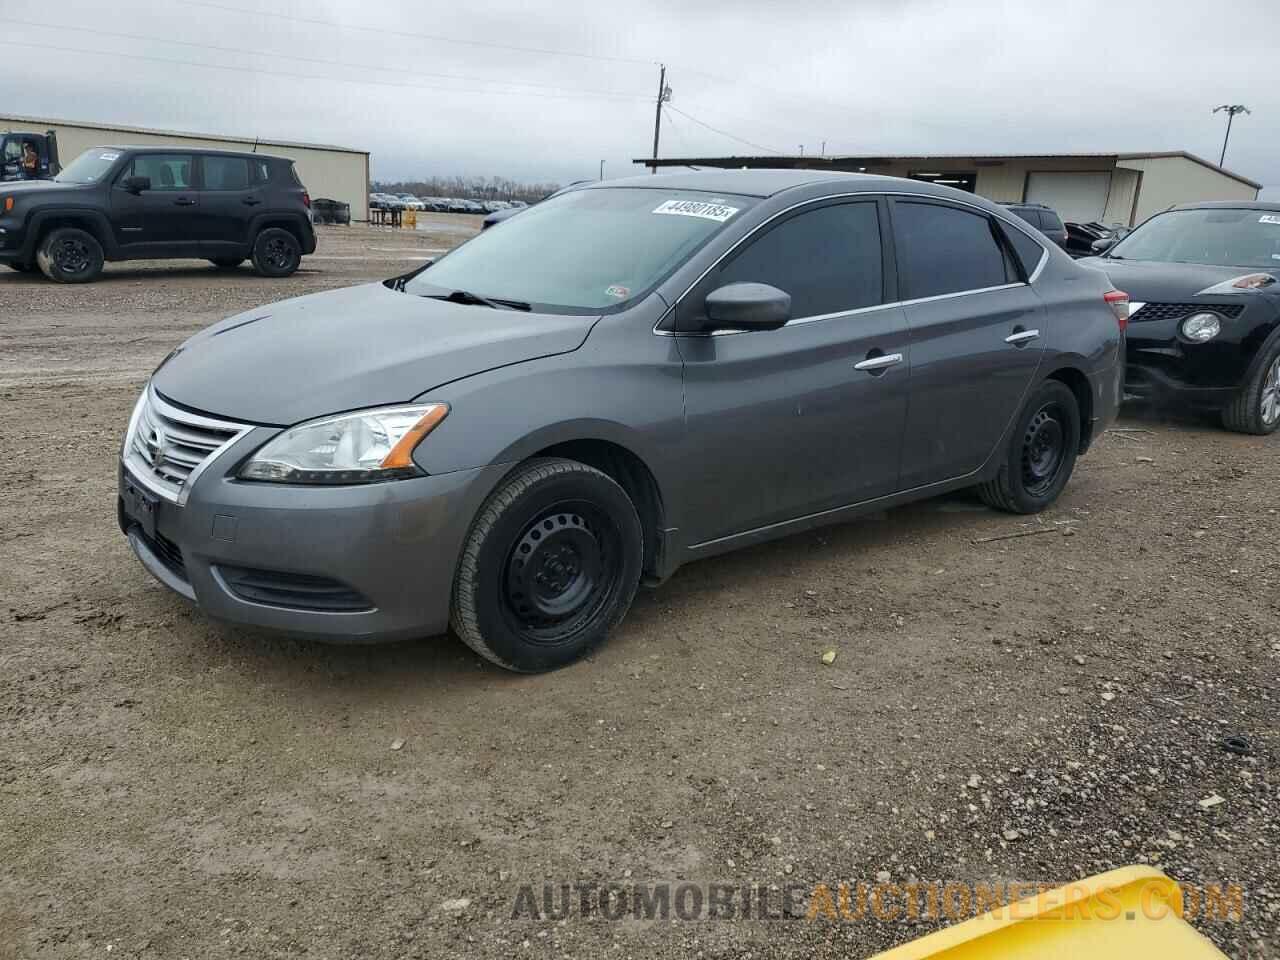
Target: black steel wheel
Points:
x,y
550,566
1041,452
276,252
70,255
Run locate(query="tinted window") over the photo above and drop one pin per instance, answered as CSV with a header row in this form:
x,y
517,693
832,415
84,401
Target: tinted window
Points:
x,y
1028,214
1050,220
829,260
167,171
1028,251
945,250
226,173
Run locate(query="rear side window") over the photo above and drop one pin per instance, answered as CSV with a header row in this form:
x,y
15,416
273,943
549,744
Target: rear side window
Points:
x,y
226,173
1031,216
946,250
1027,250
1050,220
829,260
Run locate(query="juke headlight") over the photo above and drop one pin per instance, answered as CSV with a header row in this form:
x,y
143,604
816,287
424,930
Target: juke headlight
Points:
x,y
367,446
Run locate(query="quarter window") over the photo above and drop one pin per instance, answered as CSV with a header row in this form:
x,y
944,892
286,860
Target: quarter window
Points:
x,y
943,249
226,173
166,171
1028,251
828,259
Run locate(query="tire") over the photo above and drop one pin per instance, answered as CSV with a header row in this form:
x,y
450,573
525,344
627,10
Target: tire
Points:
x,y
70,255
550,566
1041,452
226,263
276,253
1256,407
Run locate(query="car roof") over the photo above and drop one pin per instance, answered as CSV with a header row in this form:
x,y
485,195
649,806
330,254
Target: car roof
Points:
x,y
765,183
180,148
1228,205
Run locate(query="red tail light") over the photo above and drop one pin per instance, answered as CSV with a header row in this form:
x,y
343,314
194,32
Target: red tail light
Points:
x,y
1118,301
306,199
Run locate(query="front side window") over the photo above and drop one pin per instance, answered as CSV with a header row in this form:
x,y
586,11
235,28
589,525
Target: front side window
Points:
x,y
829,260
944,249
1224,237
583,251
166,171
226,173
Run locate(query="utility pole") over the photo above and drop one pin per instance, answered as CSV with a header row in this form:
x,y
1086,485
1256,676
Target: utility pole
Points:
x,y
1232,109
664,94
601,169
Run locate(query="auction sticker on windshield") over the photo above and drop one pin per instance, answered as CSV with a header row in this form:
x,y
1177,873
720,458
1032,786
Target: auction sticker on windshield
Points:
x,y
697,208
1268,218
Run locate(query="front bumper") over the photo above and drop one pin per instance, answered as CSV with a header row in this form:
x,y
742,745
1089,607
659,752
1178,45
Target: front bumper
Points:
x,y
390,548
12,241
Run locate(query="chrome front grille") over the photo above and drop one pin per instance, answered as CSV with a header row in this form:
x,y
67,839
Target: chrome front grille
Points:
x,y
167,445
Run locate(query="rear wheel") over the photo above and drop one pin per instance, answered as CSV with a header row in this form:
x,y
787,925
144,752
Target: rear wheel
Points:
x,y
276,253
550,566
1041,453
70,255
1256,408
226,263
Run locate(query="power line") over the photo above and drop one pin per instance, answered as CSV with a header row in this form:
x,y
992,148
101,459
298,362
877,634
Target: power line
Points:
x,y
334,63
724,133
417,36
307,76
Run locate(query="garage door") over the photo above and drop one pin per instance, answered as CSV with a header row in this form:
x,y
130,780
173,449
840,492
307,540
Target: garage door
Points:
x,y
1079,197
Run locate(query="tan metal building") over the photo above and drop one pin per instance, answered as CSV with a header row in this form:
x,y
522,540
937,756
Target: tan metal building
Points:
x,y
337,173
1123,188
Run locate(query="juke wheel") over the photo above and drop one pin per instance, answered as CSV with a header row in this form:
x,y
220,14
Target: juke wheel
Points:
x,y
70,255
1256,407
276,253
1041,452
550,566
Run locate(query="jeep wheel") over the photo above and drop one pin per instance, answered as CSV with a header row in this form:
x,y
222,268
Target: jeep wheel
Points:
x,y
1041,453
226,263
276,253
70,255
1256,408
550,566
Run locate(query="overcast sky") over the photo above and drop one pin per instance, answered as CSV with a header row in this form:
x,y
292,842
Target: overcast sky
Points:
x,y
866,76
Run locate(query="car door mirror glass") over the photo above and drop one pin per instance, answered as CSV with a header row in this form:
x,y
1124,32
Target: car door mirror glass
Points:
x,y
748,306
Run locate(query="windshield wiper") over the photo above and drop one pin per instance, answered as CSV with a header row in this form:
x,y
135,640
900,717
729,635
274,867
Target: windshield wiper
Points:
x,y
466,296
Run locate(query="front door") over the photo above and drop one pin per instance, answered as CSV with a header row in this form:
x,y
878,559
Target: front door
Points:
x,y
162,220
807,418
975,337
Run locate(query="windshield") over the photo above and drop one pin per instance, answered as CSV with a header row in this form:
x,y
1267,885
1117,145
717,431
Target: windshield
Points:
x,y
89,167
1216,236
583,251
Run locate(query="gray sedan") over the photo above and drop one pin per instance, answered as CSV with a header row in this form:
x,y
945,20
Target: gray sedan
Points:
x,y
625,378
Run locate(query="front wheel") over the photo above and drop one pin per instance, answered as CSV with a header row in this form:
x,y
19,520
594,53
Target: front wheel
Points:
x,y
276,253
550,566
1256,408
70,255
1041,453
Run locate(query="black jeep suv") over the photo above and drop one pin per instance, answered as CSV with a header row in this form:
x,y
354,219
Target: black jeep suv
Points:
x,y
151,203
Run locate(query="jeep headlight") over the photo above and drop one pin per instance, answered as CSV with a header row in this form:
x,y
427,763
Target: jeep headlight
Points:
x,y
1201,327
366,446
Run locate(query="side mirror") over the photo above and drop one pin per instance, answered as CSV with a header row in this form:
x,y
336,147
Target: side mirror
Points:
x,y
748,306
136,185
1103,245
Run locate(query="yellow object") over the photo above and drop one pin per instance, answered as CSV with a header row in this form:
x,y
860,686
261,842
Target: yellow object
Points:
x,y
410,218
1120,915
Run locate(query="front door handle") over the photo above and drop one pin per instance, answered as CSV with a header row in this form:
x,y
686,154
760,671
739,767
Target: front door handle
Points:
x,y
878,363
184,202
1019,337
251,201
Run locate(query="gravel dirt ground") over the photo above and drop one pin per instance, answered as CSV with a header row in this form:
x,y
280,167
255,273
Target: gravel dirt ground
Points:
x,y
1035,709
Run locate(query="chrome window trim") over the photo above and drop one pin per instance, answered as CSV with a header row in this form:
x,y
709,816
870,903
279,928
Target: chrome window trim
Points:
x,y
1010,221
144,477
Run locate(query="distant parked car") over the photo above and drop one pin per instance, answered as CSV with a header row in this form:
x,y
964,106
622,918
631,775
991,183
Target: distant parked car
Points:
x,y
1043,218
330,211
498,216
411,202
1205,327
1081,237
457,205
153,203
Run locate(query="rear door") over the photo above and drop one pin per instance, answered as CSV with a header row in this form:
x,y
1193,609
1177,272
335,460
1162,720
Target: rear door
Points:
x,y
229,196
785,423
975,336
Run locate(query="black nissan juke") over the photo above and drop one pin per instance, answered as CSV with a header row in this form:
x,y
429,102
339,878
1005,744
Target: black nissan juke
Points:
x,y
1204,322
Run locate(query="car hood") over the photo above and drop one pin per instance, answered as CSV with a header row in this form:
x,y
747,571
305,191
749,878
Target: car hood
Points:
x,y
1146,281
345,349
20,188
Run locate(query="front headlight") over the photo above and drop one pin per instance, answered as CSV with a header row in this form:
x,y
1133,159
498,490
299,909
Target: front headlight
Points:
x,y
362,447
1201,327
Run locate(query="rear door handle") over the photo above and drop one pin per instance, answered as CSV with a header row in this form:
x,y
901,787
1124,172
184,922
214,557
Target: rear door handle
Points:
x,y
251,201
1019,337
878,363
184,202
